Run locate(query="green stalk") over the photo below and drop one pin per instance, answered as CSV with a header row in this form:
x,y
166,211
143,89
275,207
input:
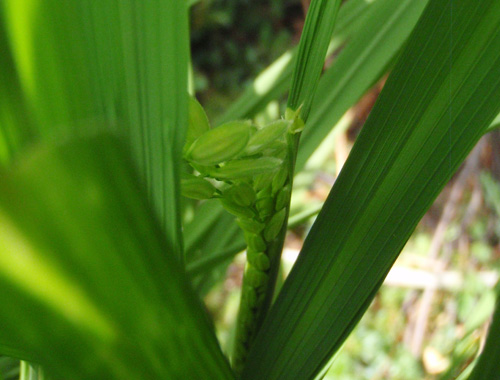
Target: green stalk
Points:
x,y
250,169
257,296
317,32
263,259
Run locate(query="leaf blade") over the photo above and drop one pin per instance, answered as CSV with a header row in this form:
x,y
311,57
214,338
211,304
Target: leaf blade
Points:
x,y
318,29
91,273
112,65
441,101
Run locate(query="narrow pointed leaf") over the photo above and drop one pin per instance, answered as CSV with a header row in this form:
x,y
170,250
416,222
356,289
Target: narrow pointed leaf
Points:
x,y
441,97
358,66
318,29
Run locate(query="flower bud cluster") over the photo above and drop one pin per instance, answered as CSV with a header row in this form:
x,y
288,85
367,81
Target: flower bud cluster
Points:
x,y
246,167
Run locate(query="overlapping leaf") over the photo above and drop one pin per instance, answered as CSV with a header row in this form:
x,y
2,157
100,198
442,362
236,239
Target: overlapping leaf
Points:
x,y
369,51
78,65
359,65
439,100
85,270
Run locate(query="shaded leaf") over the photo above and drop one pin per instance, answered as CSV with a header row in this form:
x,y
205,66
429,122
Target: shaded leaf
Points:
x,y
92,65
93,292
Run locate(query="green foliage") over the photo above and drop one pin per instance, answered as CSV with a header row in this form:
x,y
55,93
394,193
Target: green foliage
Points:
x,y
82,276
390,179
98,275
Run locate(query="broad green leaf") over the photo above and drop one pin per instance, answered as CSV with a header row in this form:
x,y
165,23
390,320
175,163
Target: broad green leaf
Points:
x,y
441,97
92,64
85,270
318,29
487,366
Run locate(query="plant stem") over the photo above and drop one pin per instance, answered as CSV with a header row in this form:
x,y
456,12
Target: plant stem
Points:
x,y
258,283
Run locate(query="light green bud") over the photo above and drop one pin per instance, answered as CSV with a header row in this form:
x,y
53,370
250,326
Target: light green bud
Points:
x,y
250,225
266,136
255,242
279,179
262,181
220,144
266,192
250,296
259,260
265,206
242,194
255,278
297,123
277,149
274,226
197,121
202,169
236,209
197,188
283,198
246,168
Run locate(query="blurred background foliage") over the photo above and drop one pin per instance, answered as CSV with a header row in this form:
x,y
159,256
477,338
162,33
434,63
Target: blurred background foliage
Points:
x,y
232,41
430,318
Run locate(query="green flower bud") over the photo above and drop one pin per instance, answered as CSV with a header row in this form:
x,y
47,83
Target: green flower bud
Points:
x,y
263,180
197,188
266,192
266,136
259,260
246,168
297,122
255,242
242,194
220,144
249,296
197,121
202,169
274,226
277,149
280,179
283,198
236,209
250,225
255,278
265,206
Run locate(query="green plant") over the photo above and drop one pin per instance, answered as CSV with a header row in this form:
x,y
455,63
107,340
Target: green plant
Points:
x,y
98,278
